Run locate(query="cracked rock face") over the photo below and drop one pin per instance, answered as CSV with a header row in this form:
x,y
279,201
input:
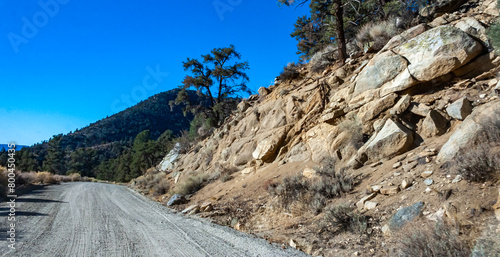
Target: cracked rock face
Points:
x,y
427,56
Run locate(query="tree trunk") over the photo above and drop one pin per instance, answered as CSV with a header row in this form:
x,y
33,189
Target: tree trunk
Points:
x,y
339,17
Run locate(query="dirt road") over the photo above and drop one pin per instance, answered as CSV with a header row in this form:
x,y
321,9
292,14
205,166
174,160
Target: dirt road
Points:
x,y
94,219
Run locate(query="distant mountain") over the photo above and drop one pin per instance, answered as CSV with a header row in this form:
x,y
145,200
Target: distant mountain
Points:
x,y
153,114
108,138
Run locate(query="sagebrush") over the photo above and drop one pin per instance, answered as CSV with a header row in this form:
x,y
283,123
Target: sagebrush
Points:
x,y
428,238
344,218
313,192
482,162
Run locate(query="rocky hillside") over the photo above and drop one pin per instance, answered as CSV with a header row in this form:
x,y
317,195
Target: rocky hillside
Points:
x,y
410,133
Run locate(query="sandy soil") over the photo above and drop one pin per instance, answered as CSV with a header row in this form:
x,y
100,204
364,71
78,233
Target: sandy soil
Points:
x,y
93,219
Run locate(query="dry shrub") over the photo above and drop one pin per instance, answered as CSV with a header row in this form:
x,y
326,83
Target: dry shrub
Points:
x,y
225,173
290,72
191,184
58,178
75,177
428,238
354,129
482,163
29,177
324,58
162,187
376,34
344,218
49,180
40,176
314,192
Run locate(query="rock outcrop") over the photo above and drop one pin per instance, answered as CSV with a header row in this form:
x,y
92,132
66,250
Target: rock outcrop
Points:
x,y
425,57
483,117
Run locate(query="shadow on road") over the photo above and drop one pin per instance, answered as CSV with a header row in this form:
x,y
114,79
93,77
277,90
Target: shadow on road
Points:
x,y
23,213
37,200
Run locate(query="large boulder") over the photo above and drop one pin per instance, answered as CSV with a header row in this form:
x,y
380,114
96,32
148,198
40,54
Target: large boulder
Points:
x,y
391,140
438,51
425,57
168,161
486,115
381,69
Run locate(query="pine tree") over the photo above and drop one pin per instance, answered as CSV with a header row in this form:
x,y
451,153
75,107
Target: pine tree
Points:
x,y
217,77
335,22
54,161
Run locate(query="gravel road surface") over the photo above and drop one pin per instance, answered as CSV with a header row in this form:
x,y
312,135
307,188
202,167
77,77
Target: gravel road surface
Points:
x,y
95,219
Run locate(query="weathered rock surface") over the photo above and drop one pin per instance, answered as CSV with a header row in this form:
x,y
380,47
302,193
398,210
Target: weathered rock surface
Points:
x,y
402,105
459,109
438,51
267,148
425,57
168,161
434,124
487,115
391,140
380,70
374,108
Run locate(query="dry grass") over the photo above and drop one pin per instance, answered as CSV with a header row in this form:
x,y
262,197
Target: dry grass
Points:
x,y
354,128
376,34
427,238
290,72
191,184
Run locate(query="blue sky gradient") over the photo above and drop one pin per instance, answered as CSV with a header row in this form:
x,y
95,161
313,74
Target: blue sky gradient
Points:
x,y
67,63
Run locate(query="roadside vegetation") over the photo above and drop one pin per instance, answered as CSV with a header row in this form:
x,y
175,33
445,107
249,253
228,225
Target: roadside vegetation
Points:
x,y
45,178
298,194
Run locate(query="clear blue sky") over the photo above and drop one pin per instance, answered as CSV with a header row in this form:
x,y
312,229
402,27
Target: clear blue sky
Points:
x,y
67,63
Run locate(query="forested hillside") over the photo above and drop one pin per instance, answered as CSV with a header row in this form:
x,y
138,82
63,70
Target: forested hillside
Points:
x,y
99,143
